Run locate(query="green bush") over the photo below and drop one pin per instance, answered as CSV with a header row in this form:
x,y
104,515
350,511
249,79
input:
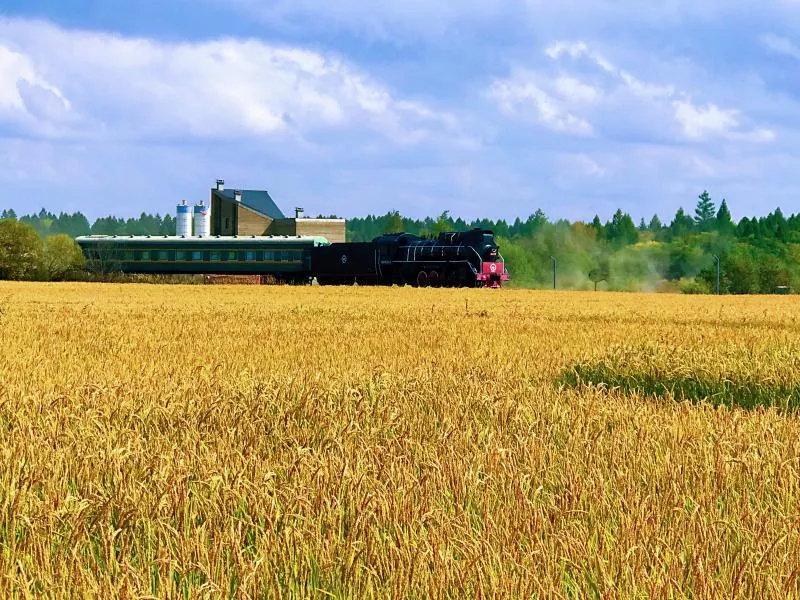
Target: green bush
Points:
x,y
62,256
20,251
694,286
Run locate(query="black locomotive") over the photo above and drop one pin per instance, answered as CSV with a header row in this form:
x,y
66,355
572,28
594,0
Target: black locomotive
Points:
x,y
454,259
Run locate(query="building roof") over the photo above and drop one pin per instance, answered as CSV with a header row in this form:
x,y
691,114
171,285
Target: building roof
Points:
x,y
257,200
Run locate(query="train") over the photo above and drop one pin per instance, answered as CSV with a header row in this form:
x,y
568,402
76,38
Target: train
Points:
x,y
452,259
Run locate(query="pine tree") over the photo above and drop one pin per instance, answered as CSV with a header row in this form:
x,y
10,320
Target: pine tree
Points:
x,y
681,224
597,225
621,231
724,221
655,224
705,211
394,223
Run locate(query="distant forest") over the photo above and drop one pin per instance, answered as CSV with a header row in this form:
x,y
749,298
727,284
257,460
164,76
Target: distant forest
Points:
x,y
756,255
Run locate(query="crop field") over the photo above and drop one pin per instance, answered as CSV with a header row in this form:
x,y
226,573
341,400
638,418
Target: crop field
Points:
x,y
280,442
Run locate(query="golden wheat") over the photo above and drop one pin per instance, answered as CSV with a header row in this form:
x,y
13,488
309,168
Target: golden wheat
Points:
x,y
192,441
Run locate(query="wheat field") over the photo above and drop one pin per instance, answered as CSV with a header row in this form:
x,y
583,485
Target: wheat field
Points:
x,y
280,442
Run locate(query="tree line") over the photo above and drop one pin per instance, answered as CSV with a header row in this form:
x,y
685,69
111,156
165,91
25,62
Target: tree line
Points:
x,y
76,224
756,255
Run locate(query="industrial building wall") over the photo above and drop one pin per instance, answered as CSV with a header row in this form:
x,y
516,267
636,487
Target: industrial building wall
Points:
x,y
223,217
332,229
282,227
251,223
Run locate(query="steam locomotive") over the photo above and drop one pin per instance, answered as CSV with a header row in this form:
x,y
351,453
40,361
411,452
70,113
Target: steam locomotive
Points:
x,y
454,259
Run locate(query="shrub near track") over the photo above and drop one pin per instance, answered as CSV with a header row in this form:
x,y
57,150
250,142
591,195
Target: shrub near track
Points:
x,y
191,441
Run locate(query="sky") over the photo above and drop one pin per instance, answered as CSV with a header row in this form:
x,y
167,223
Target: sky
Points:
x,y
484,108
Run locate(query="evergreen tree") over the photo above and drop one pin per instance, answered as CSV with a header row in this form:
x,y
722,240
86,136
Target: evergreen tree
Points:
x,y
538,219
724,222
655,224
621,231
705,212
443,223
745,228
597,225
682,224
394,223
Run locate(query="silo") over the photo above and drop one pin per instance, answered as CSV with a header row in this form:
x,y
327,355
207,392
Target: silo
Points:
x,y
202,220
184,220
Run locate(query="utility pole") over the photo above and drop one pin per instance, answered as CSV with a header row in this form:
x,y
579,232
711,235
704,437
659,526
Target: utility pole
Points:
x,y
719,269
555,270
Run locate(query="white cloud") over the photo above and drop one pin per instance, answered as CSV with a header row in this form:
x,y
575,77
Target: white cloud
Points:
x,y
704,122
577,50
25,95
584,165
616,102
521,96
142,88
575,90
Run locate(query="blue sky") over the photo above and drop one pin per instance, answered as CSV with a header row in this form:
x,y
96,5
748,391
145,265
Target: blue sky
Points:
x,y
480,107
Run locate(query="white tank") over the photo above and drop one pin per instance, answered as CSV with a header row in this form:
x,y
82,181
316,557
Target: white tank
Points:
x,y
184,220
202,220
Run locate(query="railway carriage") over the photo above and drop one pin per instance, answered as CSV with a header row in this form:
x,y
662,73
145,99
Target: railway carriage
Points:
x,y
285,257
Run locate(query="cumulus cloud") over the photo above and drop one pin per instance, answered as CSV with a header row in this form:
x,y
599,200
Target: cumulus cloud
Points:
x,y
580,85
521,96
704,122
27,98
117,86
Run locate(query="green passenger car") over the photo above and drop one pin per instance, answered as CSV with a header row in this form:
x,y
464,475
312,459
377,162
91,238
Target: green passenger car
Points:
x,y
286,257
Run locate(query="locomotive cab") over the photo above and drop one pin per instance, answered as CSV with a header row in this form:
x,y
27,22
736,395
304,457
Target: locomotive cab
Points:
x,y
482,253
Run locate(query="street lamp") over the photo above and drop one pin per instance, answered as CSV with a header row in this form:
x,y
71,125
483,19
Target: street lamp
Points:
x,y
719,261
555,269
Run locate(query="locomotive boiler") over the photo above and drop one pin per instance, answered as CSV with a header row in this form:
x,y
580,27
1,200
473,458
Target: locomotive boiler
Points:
x,y
453,259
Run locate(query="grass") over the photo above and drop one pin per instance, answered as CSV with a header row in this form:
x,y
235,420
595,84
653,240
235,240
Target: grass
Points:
x,y
643,372
217,441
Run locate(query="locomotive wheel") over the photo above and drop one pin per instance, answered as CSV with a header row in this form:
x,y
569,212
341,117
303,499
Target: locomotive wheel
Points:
x,y
433,278
422,279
